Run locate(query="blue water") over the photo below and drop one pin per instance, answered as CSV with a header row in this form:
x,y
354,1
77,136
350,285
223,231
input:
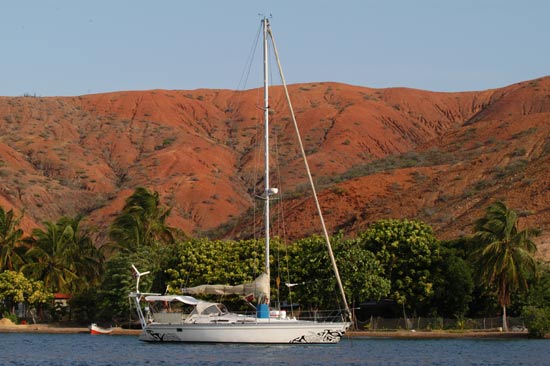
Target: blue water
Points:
x,y
84,349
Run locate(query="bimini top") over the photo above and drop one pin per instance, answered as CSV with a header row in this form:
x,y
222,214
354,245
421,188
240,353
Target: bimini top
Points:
x,y
189,300
201,307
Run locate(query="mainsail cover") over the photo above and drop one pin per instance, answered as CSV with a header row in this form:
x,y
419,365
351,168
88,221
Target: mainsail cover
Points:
x,y
258,289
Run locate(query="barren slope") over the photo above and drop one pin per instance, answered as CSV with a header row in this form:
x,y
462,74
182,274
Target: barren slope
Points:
x,y
447,154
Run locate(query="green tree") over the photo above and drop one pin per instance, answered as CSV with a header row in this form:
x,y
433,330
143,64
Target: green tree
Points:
x,y
362,274
505,257
453,285
538,293
482,301
111,299
534,303
537,321
408,253
311,271
16,288
88,260
10,241
63,256
304,263
142,222
50,257
203,261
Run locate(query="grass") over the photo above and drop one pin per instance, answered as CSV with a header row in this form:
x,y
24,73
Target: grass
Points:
x,y
427,158
412,159
523,133
514,167
546,148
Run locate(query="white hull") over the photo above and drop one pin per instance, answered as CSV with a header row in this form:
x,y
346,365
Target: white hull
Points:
x,y
272,331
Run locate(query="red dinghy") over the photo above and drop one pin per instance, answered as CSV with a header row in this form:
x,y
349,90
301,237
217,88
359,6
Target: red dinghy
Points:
x,y
95,329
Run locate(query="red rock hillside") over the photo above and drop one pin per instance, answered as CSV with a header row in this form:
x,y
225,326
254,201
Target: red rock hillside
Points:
x,y
375,153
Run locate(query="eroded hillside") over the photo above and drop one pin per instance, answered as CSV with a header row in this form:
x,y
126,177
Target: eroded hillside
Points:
x,y
376,153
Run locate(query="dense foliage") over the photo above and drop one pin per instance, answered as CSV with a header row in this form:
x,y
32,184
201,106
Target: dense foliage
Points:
x,y
310,273
309,264
202,261
399,261
63,256
11,253
534,305
453,285
537,321
16,288
408,252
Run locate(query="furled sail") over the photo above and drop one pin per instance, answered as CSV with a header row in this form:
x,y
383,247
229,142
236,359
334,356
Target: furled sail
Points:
x,y
257,289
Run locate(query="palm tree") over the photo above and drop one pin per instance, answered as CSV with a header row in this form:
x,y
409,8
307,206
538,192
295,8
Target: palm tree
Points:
x,y
506,256
10,241
88,259
63,256
50,256
142,222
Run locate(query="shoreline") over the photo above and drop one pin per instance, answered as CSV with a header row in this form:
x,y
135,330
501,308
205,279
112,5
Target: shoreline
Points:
x,y
55,329
401,334
435,334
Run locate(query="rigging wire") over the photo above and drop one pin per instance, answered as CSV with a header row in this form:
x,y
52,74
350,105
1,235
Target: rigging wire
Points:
x,y
248,66
280,227
242,85
318,205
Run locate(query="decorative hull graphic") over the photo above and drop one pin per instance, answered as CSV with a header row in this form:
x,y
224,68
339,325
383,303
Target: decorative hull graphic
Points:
x,y
299,332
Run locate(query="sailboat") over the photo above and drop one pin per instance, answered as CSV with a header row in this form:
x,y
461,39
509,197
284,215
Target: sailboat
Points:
x,y
185,318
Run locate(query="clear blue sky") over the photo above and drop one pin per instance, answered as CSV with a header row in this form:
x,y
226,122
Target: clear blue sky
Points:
x,y
71,47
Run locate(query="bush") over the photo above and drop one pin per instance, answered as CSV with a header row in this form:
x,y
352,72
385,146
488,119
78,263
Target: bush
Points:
x,y
537,321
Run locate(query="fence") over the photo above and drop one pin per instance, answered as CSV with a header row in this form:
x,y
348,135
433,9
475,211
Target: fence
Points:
x,y
377,323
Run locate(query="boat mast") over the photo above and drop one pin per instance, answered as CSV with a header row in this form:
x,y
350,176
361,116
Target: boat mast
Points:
x,y
265,23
